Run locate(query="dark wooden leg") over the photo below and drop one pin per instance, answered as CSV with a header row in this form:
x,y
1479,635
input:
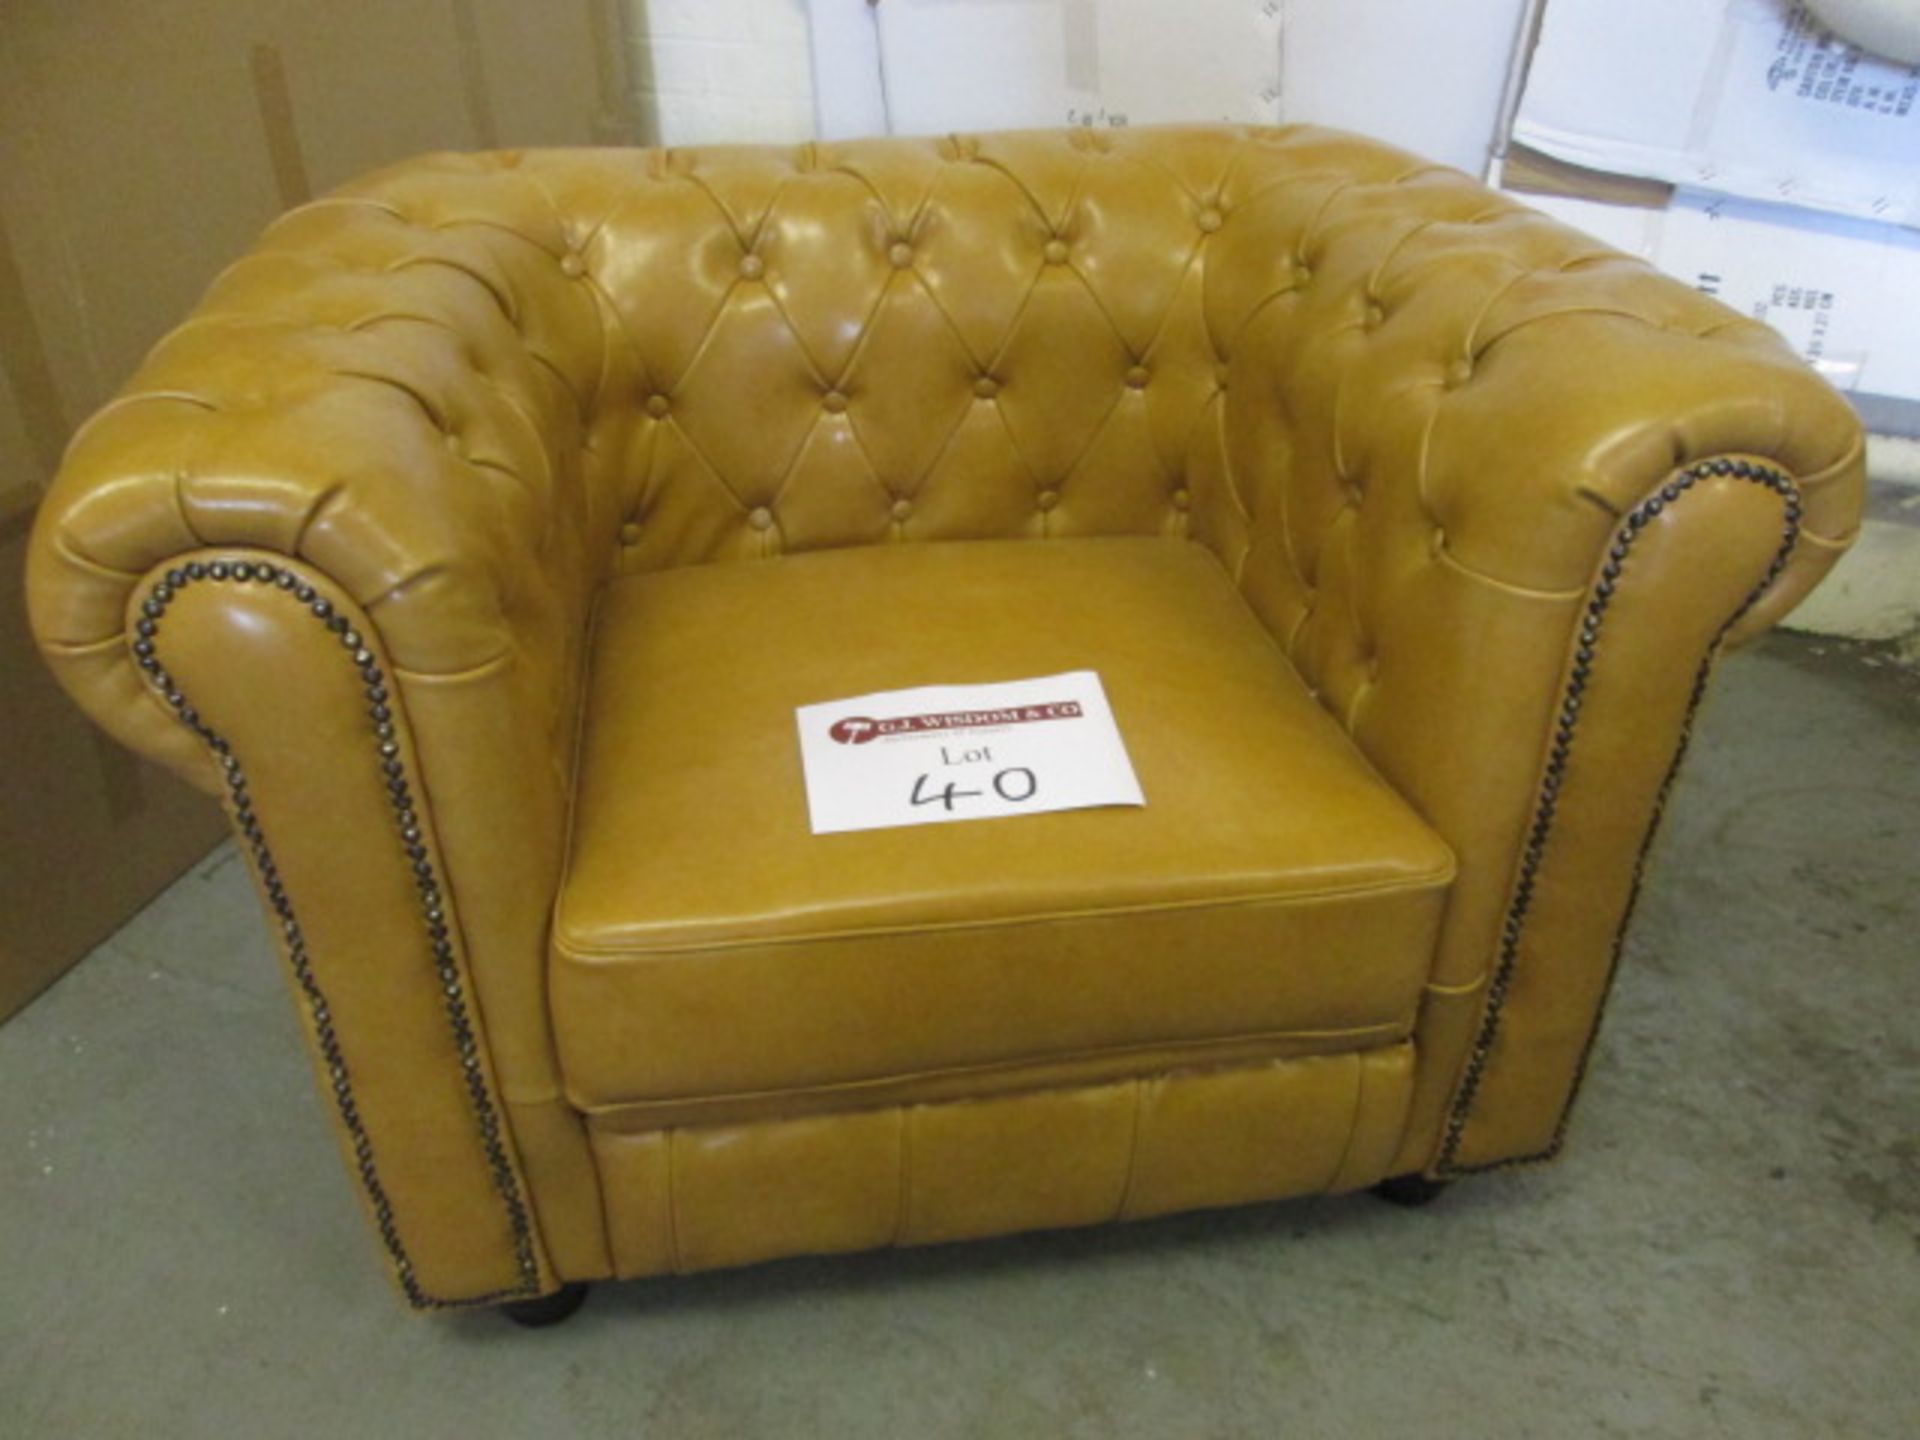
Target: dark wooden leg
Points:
x,y
1410,1190
548,1309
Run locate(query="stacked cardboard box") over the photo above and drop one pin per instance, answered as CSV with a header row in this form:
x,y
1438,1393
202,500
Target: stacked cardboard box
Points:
x,y
1743,148
142,147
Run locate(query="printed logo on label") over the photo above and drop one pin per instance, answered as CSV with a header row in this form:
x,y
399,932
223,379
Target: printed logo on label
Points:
x,y
860,729
855,730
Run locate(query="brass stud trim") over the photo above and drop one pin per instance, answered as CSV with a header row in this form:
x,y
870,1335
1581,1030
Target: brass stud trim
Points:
x,y
392,769
1579,678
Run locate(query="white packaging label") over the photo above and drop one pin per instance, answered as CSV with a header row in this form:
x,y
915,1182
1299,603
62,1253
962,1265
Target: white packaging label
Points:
x,y
963,752
1843,292
1751,98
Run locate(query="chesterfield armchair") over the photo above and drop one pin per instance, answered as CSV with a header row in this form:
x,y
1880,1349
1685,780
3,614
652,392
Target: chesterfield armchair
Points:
x,y
478,536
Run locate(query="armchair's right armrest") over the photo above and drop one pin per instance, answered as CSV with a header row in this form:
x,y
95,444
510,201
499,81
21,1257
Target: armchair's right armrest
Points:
x,y
1503,494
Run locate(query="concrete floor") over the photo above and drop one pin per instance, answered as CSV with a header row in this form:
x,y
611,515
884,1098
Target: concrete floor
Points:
x,y
1731,1247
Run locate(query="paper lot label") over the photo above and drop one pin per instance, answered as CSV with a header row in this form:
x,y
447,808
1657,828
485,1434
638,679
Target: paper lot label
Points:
x,y
963,752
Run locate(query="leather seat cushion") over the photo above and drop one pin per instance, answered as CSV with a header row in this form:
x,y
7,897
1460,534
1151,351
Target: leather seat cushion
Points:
x,y
1273,895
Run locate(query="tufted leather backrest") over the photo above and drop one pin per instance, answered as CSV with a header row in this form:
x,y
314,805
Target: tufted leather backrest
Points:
x,y
1209,332
941,339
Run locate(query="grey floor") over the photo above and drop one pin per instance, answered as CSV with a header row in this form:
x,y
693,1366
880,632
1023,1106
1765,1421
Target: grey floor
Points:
x,y
1732,1246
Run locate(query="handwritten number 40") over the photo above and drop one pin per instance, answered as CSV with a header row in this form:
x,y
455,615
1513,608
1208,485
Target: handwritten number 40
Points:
x,y
1014,785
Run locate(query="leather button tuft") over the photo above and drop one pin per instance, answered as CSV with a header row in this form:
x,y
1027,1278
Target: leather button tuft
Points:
x,y
902,508
986,387
1210,220
833,402
1181,499
761,518
752,267
1375,317
629,534
1458,373
1137,378
900,256
658,406
572,266
455,444
1047,499
1220,375
1056,252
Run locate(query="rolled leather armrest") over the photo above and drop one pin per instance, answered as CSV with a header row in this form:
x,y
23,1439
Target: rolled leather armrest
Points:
x,y
336,521
1502,494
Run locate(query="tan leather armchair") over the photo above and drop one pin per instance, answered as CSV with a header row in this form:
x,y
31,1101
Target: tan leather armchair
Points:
x,y
477,537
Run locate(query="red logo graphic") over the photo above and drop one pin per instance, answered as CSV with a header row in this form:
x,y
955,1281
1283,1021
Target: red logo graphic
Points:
x,y
855,730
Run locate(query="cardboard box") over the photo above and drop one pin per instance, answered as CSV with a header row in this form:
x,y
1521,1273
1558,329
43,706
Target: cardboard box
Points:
x,y
1748,98
88,832
142,148
988,64
1836,285
1836,288
1432,78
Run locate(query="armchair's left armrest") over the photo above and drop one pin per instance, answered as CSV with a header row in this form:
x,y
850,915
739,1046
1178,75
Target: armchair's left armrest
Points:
x,y
331,554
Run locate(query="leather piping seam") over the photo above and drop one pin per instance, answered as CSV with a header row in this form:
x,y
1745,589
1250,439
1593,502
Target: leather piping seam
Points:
x,y
1139,1085
1533,855
1353,1123
1435,883
432,901
1286,1046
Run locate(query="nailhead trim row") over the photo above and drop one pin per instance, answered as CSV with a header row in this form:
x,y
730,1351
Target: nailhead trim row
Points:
x,y
427,882
1599,599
